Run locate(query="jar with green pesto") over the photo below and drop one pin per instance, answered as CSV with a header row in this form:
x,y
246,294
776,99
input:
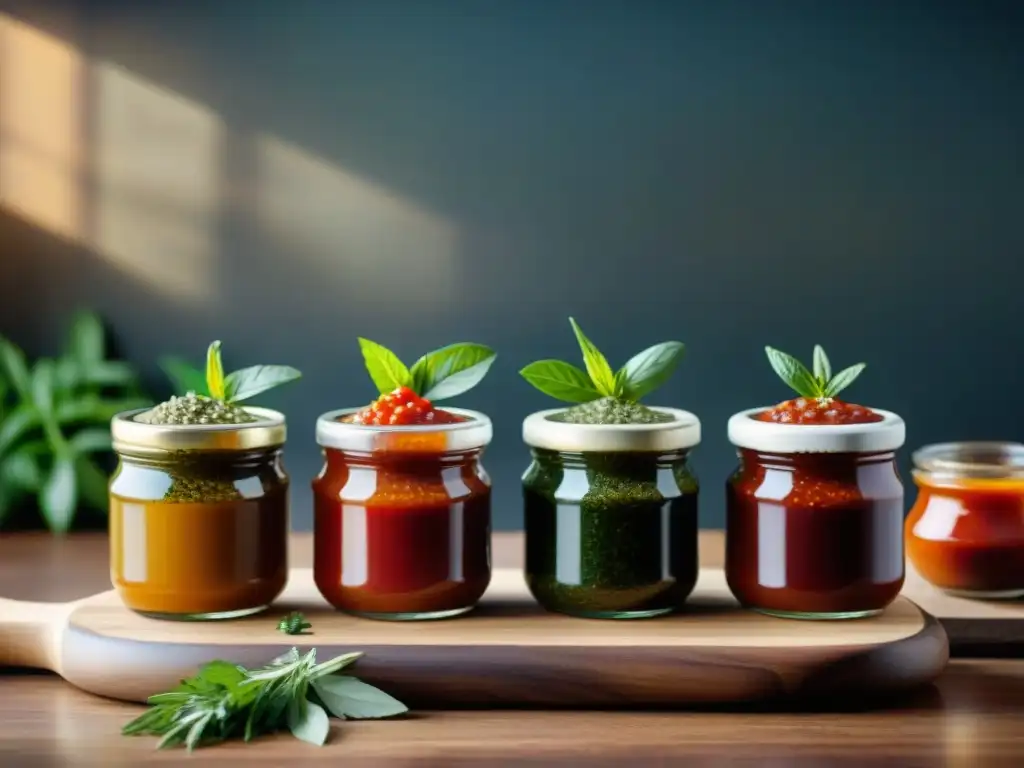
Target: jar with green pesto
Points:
x,y
199,513
611,509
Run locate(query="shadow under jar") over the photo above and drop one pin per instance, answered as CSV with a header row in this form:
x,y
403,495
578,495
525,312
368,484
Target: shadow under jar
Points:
x,y
402,523
814,517
611,515
199,517
965,533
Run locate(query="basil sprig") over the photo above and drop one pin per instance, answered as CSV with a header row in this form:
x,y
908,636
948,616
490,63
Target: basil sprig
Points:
x,y
234,387
438,375
819,384
641,375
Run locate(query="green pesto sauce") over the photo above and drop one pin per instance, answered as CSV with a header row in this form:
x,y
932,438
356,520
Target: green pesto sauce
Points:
x,y
195,409
610,535
195,479
610,410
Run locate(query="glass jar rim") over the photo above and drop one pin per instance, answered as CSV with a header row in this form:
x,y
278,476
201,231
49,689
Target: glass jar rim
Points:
x,y
473,433
992,460
129,434
683,432
745,431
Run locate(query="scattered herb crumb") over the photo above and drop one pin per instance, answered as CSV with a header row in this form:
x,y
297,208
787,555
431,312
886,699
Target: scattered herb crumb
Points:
x,y
294,624
610,410
196,409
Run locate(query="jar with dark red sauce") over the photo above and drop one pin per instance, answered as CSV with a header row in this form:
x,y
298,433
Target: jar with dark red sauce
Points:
x,y
814,525
402,524
965,532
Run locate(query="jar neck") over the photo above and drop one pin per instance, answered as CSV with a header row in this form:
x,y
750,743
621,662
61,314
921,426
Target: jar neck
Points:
x,y
818,462
205,459
583,460
424,460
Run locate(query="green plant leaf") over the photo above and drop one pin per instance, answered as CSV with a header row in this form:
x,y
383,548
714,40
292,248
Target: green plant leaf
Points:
x,y
822,367
93,483
42,385
91,440
87,344
843,379
249,382
60,495
561,381
648,370
9,494
109,373
94,409
600,372
384,367
215,371
184,377
794,373
17,423
308,721
12,361
21,467
452,370
350,697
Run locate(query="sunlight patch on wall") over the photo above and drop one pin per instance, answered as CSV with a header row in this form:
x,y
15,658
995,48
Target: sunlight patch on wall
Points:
x,y
369,243
157,184
40,128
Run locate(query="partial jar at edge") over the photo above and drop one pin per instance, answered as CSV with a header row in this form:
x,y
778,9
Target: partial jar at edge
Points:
x,y
813,533
965,532
199,517
610,534
402,517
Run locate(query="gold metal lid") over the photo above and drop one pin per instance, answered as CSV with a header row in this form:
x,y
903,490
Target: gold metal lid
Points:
x,y
131,436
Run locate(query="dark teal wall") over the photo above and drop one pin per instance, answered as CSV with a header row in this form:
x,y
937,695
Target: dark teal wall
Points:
x,y
730,174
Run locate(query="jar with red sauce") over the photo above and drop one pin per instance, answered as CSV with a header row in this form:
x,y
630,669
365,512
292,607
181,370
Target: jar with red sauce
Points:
x,y
402,523
815,510
965,532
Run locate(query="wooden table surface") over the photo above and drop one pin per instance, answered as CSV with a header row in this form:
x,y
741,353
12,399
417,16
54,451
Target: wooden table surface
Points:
x,y
972,717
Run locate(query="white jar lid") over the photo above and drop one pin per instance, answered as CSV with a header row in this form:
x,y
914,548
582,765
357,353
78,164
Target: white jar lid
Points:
x,y
772,437
475,432
539,431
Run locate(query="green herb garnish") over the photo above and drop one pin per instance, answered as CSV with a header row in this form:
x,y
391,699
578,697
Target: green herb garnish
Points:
x,y
234,387
819,385
438,375
225,701
641,375
294,624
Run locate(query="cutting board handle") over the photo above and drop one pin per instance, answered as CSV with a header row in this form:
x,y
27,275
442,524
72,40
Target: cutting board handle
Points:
x,y
30,633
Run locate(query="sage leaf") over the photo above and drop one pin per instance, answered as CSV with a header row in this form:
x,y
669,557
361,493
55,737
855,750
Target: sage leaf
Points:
x,y
452,370
350,697
308,721
12,361
560,380
794,373
648,370
60,494
184,378
600,371
843,379
249,382
822,367
87,344
215,371
384,367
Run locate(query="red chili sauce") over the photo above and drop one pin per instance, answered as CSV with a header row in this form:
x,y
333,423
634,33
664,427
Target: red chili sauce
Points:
x,y
803,410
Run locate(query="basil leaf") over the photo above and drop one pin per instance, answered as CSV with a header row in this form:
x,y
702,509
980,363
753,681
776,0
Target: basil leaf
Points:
x,y
12,360
86,343
352,698
794,373
60,495
452,370
384,367
184,378
843,379
215,371
822,367
308,721
249,382
600,372
561,381
648,370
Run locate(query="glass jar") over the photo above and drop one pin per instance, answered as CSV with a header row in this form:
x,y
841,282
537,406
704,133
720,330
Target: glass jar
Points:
x,y
814,517
965,533
199,517
402,524
611,515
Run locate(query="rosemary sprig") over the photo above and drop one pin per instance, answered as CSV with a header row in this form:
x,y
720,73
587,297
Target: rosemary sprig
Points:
x,y
225,701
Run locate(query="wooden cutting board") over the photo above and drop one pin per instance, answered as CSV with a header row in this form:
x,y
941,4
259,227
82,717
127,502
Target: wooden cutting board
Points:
x,y
507,652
